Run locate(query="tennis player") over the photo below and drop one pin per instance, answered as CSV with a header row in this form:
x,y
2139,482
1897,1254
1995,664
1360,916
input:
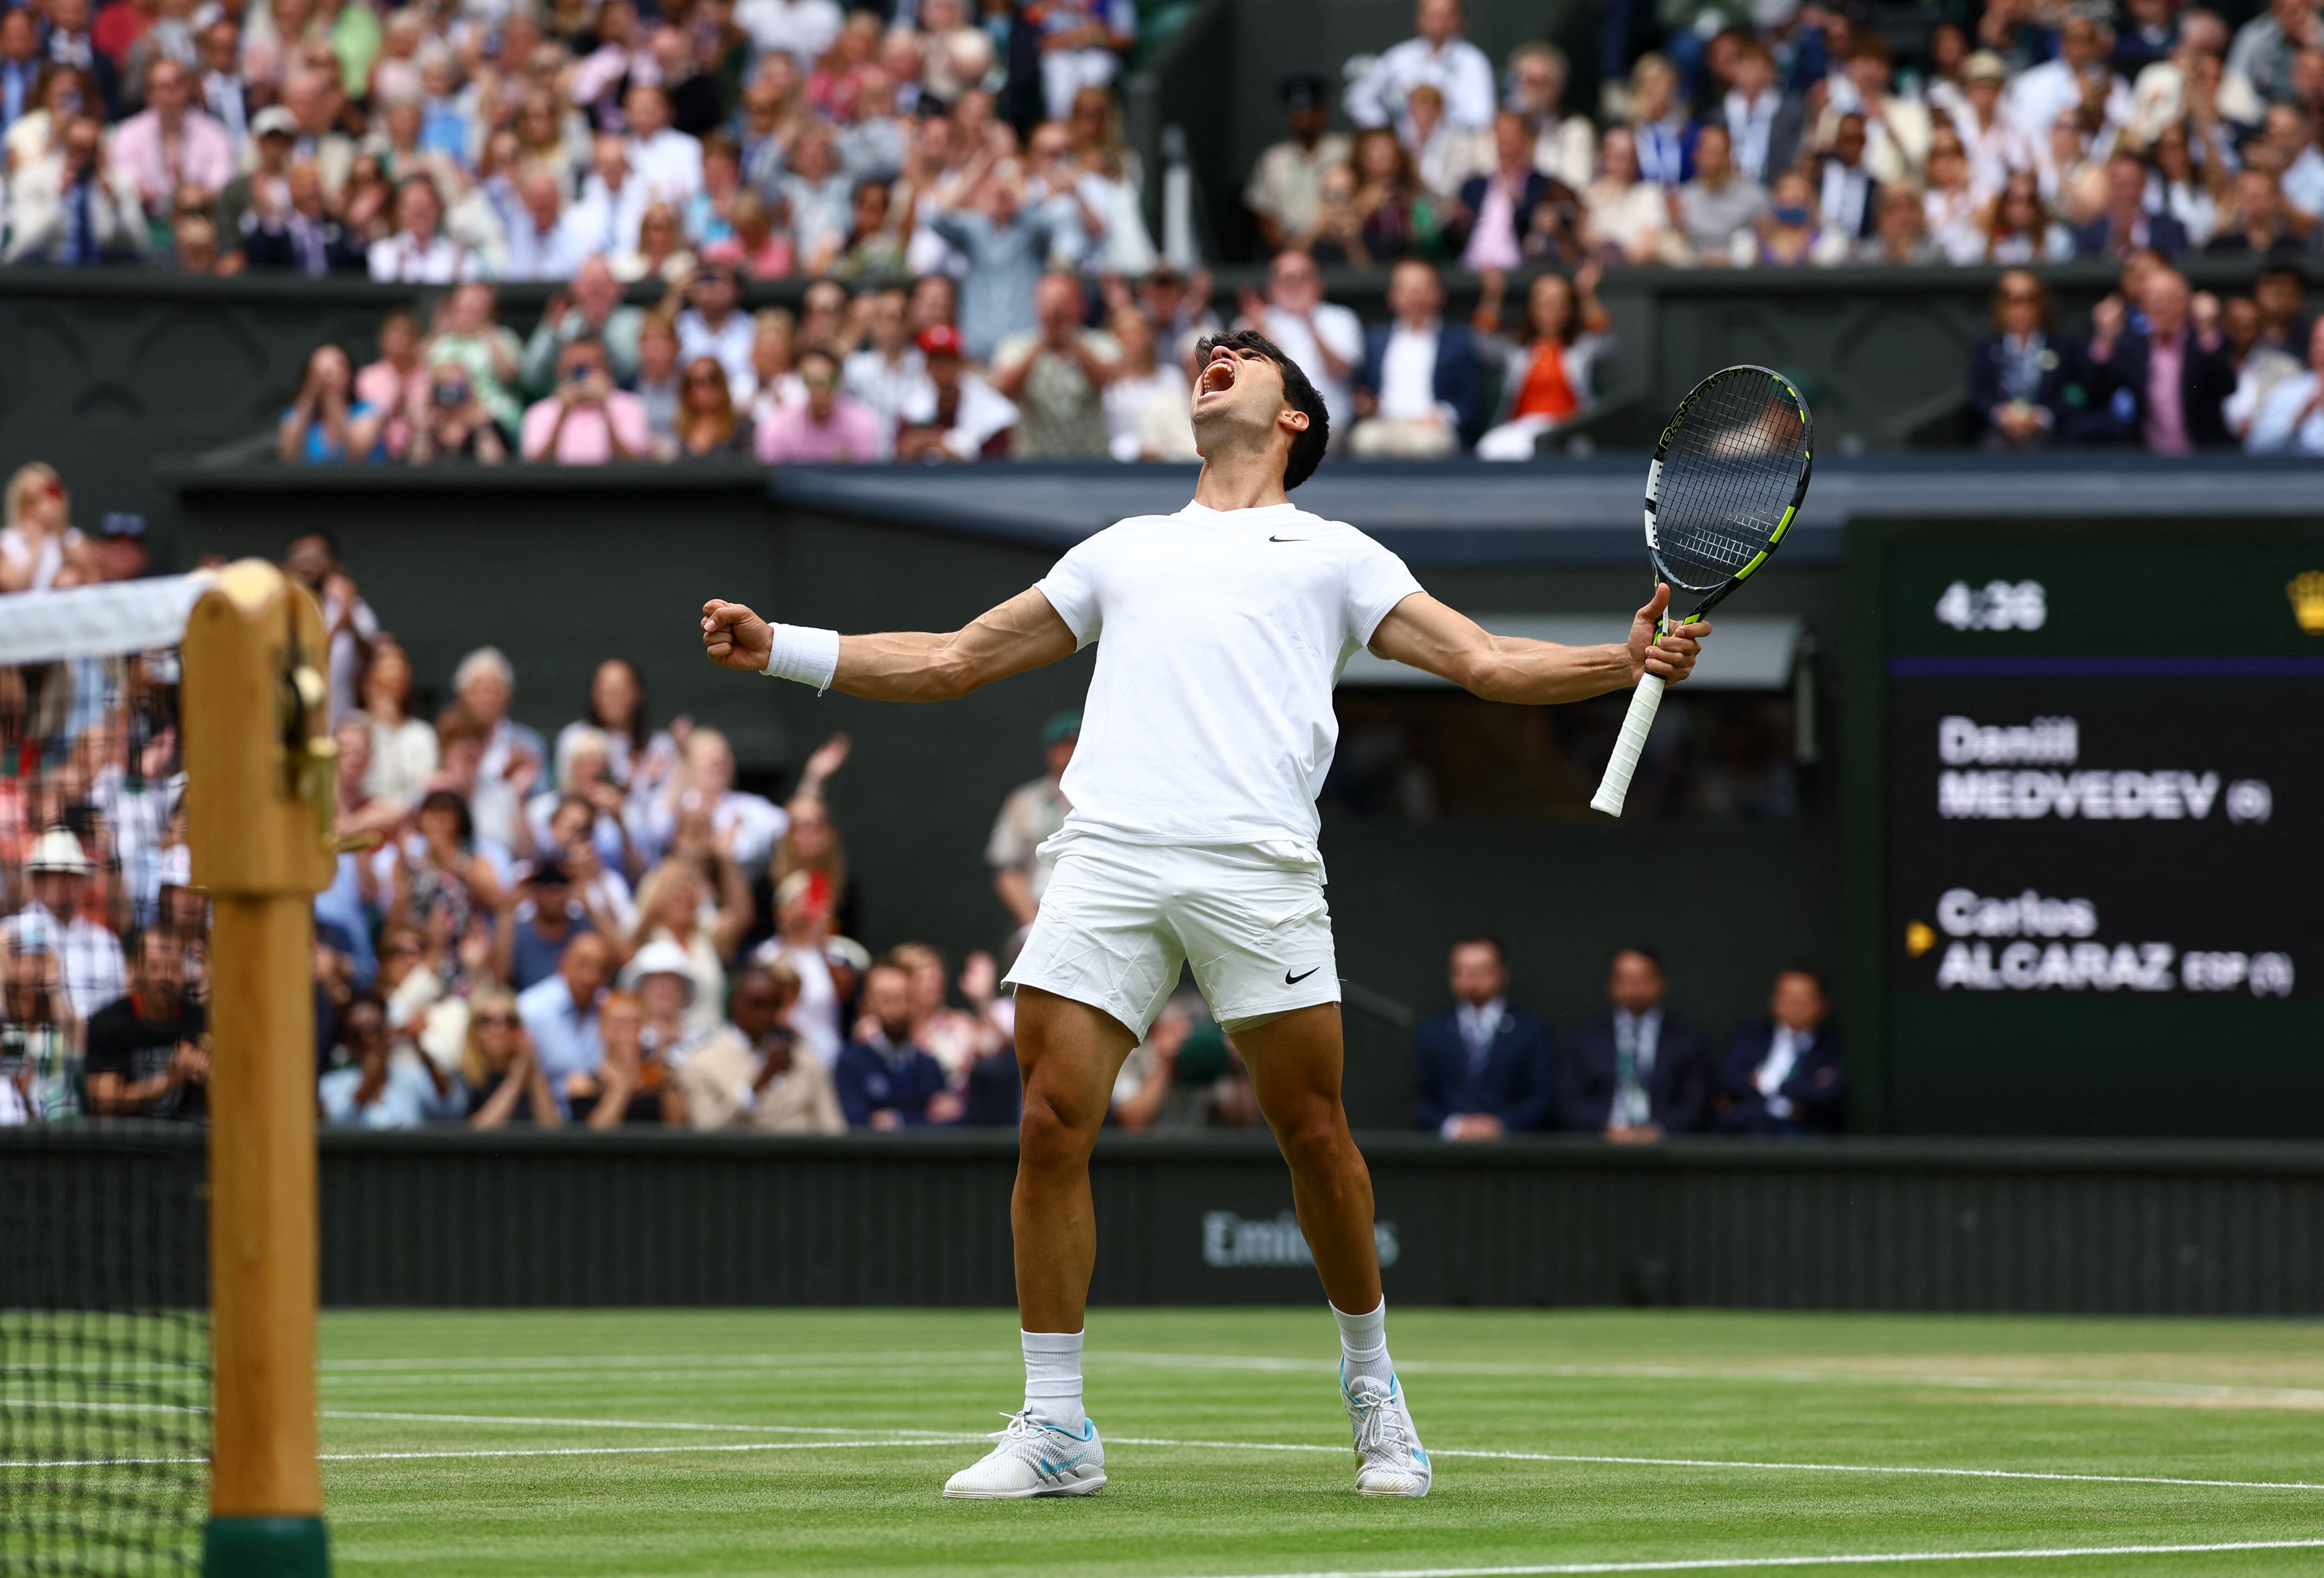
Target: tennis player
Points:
x,y
1208,731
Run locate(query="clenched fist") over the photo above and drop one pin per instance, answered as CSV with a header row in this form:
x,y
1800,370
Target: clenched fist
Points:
x,y
734,636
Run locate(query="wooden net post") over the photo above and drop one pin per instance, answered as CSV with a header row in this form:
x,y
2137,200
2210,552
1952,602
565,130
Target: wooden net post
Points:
x,y
260,800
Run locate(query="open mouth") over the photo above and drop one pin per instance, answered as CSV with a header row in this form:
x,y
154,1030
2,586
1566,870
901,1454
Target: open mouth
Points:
x,y
1219,376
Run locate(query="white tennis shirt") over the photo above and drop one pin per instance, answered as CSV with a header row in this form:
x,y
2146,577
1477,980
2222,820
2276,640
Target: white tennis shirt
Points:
x,y
1220,634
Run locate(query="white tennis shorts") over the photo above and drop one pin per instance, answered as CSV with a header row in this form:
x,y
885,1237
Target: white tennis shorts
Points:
x,y
1118,920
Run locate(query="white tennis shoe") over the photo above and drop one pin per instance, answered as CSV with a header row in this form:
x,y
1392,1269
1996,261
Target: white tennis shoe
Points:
x,y
1034,1458
1389,1461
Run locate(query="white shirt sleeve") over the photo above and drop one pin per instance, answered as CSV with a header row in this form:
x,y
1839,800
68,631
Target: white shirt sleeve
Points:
x,y
1376,581
1071,587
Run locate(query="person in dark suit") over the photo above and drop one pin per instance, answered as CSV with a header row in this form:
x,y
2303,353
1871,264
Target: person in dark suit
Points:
x,y
883,1080
2169,415
1495,218
1783,1074
1635,1073
1417,393
1483,1071
2027,388
2126,226
1847,199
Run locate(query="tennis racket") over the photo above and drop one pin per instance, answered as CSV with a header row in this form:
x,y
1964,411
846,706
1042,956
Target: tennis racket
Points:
x,y
1725,483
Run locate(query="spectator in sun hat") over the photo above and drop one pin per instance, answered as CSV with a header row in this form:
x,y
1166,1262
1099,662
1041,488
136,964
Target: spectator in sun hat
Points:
x,y
1034,813
94,971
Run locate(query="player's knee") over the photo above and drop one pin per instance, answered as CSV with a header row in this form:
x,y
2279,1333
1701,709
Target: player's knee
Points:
x,y
1314,1139
1049,1135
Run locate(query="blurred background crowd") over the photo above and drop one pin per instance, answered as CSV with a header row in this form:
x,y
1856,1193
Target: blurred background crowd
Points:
x,y
960,188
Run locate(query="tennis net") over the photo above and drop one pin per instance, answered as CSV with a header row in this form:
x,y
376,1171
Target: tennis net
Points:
x,y
104,1371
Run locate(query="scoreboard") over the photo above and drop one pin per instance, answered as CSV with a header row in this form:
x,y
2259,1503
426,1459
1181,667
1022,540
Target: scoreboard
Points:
x,y
2101,825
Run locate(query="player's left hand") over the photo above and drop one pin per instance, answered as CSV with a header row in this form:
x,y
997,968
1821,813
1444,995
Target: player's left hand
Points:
x,y
734,636
1669,655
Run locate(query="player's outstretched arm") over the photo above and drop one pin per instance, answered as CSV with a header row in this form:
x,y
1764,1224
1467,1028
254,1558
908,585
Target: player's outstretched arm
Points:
x,y
1025,632
1425,634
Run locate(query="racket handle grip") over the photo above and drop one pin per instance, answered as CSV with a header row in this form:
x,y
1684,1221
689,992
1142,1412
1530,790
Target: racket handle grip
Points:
x,y
1614,786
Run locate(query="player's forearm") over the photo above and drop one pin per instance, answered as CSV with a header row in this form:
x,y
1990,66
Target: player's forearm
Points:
x,y
1539,673
907,667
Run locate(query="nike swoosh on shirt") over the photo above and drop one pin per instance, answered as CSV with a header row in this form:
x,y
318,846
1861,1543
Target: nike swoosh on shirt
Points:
x,y
1291,980
1291,539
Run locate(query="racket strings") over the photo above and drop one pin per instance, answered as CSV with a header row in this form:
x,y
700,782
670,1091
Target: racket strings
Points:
x,y
1732,469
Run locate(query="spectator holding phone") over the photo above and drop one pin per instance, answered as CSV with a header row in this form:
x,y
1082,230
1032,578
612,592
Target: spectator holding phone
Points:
x,y
454,424
586,421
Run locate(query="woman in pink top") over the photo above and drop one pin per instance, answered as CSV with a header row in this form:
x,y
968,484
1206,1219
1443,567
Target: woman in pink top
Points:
x,y
395,385
825,426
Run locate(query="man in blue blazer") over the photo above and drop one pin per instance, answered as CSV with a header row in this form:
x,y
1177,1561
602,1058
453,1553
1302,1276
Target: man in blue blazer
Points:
x,y
1483,1071
1635,1073
1785,1074
1416,394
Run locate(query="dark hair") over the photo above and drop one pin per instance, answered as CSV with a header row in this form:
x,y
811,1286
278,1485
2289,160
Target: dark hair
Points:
x,y
1482,940
1641,949
449,800
1299,393
1822,986
315,532
639,730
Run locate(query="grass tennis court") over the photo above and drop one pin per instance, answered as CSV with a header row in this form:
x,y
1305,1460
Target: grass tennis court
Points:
x,y
734,1442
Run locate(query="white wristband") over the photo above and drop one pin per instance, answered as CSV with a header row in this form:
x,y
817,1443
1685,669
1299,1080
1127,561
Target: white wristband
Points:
x,y
809,656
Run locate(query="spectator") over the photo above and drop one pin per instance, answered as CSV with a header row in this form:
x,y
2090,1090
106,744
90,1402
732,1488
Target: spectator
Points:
x,y
20,65
312,559
819,198
471,337
40,537
2291,420
1789,235
1996,148
500,1080
445,879
418,252
743,825
1439,57
2125,226
455,423
325,424
560,1019
402,747
62,93
1285,186
90,963
1398,214
754,247
603,221
1493,225
754,1076
803,941
544,916
827,425
1337,236
540,245
1004,246
2020,375
2265,48
1783,1075
1767,126
1442,156
1717,213
890,373
1417,397
659,385
1565,146
773,336
1635,1073
708,424
641,758
1658,124
2020,231
1483,1071
956,415
1140,382
593,307
2042,92
145,1056
2189,195
1033,813
170,144
1901,235
662,256
300,236
712,326
74,207
633,1084
2276,295
1846,196
1324,340
1082,42
1896,129
375,1090
1545,378
44,1035
667,160
673,910
1186,1075
261,189
1056,377
2164,384
1625,219
2259,223
883,1080
586,421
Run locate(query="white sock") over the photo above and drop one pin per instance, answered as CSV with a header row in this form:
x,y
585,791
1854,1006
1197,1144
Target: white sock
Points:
x,y
1363,1343
1052,1377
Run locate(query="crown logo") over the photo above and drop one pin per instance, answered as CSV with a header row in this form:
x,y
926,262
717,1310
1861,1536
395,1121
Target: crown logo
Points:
x,y
2306,590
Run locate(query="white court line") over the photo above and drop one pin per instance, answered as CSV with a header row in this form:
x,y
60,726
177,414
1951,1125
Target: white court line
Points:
x,y
1851,1559
658,1368
521,1452
626,1424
